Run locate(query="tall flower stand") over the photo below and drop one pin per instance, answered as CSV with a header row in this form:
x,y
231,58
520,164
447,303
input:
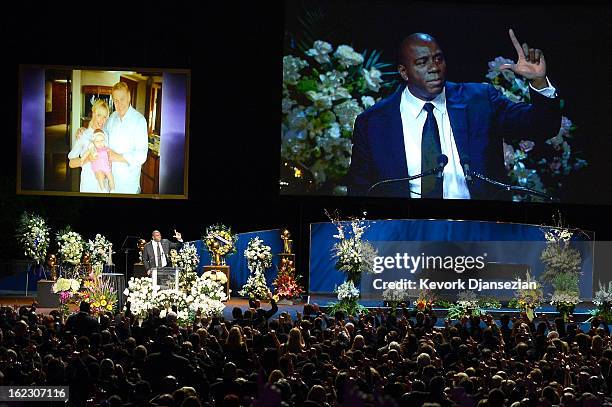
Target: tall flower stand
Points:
x,y
286,258
225,270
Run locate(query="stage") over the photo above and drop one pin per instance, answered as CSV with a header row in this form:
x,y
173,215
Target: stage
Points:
x,y
581,314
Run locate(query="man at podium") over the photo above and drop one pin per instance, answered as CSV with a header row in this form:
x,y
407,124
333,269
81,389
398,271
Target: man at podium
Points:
x,y
155,253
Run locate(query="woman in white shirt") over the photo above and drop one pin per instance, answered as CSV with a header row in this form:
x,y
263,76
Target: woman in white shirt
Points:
x,y
99,115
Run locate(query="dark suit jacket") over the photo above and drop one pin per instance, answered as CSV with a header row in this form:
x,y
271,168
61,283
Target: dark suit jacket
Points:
x,y
480,117
82,324
148,255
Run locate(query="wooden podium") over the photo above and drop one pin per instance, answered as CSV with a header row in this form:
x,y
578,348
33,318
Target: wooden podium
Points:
x,y
225,270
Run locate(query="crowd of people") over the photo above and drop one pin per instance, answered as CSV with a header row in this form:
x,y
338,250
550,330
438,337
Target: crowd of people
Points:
x,y
266,358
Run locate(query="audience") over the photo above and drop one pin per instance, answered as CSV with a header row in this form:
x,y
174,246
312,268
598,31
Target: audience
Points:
x,y
316,360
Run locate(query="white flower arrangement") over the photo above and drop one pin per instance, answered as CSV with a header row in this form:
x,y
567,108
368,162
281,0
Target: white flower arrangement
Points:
x,y
259,258
140,295
256,286
100,250
603,296
354,255
66,284
165,299
70,247
258,255
204,296
322,91
33,236
218,277
564,298
205,286
207,307
395,295
468,300
187,258
347,291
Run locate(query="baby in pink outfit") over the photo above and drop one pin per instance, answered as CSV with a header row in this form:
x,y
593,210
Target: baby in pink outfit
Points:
x,y
100,161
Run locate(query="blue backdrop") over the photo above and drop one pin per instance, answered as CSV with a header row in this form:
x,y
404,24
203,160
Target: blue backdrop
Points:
x,y
324,277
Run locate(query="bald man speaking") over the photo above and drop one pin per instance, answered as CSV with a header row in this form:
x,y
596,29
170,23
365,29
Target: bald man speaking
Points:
x,y
407,133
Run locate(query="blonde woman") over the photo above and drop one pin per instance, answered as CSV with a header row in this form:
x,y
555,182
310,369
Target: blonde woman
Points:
x,y
235,348
99,116
295,342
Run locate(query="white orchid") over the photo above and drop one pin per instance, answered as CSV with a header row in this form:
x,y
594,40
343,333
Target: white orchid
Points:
x,y
347,56
320,51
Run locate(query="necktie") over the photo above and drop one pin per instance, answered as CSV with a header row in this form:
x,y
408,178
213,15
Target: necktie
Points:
x,y
158,256
161,255
431,186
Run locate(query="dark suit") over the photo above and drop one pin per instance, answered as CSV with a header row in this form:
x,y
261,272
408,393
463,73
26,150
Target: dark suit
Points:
x,y
148,254
480,117
82,324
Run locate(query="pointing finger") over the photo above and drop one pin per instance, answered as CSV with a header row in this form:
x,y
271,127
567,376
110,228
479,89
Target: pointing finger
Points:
x,y
516,44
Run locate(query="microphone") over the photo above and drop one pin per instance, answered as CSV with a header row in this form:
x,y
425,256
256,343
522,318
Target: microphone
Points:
x,y
510,188
442,161
465,164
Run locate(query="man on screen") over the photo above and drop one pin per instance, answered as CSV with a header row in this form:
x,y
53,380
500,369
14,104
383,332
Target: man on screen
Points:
x,y
155,253
406,133
128,140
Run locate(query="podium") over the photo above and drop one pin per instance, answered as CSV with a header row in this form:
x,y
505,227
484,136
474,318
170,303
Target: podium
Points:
x,y
165,278
45,296
223,269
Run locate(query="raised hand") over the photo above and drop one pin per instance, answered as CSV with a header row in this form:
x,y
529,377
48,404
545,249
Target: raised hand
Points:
x,y
530,64
177,235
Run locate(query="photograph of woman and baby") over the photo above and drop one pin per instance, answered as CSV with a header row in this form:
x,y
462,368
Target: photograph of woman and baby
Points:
x,y
111,151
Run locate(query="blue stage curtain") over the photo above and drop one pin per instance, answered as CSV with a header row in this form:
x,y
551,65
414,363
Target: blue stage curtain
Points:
x,y
239,272
324,277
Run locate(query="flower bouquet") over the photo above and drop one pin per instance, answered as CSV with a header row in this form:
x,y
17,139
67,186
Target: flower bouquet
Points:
x,y
99,293
33,236
140,296
286,282
353,254
425,301
100,250
67,288
528,300
565,296
224,237
187,261
467,305
348,300
70,247
392,297
259,258
603,300
324,89
206,296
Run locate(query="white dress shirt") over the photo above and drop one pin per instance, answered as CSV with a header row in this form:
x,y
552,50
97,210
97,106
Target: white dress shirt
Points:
x,y
413,119
157,247
128,137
